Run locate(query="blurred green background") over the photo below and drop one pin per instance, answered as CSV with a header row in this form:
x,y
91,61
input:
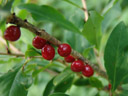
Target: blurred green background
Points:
x,y
113,11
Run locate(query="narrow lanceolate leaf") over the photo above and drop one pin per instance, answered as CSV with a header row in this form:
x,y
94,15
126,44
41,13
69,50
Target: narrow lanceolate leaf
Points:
x,y
66,83
64,79
47,13
116,54
49,88
14,83
92,29
82,82
5,9
95,82
8,5
58,94
31,52
58,79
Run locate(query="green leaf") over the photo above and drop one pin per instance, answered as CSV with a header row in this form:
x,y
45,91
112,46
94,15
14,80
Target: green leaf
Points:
x,y
47,13
23,14
30,68
77,18
31,52
58,79
116,54
124,3
15,83
76,43
98,94
96,82
58,94
5,10
123,93
26,36
66,83
8,5
81,82
125,81
87,50
36,72
49,88
72,3
109,17
124,90
92,29
3,26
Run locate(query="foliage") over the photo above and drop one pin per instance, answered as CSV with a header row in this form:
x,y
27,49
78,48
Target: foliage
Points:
x,y
102,39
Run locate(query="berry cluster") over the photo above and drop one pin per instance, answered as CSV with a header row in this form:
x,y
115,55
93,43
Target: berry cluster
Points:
x,y
64,50
78,66
48,52
13,33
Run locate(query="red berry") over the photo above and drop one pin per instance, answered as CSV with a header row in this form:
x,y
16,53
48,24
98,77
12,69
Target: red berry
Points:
x,y
38,42
109,86
77,66
12,33
88,71
64,50
48,52
69,59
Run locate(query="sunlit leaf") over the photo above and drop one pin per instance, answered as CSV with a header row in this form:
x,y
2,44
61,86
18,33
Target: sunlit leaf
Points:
x,y
92,29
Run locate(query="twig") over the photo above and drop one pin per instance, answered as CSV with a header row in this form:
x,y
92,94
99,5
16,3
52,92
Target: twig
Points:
x,y
15,20
98,59
85,9
13,54
11,46
22,55
18,55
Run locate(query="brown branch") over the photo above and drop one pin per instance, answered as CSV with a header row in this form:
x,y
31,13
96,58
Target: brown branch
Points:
x,y
85,9
12,54
15,20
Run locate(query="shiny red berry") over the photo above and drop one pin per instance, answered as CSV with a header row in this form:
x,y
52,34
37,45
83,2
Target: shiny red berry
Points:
x,y
48,52
77,66
38,42
12,33
69,59
64,50
88,71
